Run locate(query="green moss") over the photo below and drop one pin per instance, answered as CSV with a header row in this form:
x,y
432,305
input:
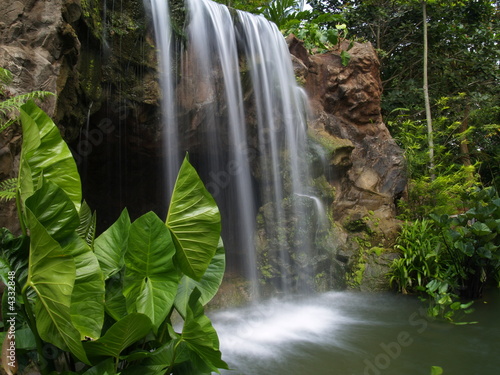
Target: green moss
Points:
x,y
324,190
90,77
330,143
355,279
92,15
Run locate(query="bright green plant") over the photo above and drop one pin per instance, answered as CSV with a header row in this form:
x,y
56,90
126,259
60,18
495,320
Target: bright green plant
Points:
x,y
106,303
318,35
418,263
283,11
424,268
472,240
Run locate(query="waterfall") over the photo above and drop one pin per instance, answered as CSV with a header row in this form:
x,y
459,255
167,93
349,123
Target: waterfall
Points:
x,y
241,116
163,36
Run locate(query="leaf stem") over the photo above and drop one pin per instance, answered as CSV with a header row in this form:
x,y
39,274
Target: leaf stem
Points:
x,y
20,212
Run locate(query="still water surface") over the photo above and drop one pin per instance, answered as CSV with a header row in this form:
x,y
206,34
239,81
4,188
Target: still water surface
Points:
x,y
343,333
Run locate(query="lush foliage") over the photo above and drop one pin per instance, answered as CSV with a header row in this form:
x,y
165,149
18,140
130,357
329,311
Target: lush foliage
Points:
x,y
108,301
451,257
463,77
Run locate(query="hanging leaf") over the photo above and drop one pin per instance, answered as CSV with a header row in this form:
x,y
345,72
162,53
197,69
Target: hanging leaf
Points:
x,y
151,278
44,153
208,285
194,220
110,247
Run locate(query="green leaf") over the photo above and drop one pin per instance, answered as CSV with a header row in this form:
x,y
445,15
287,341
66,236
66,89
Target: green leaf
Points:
x,y
87,299
436,370
110,247
480,229
157,362
465,247
119,336
54,210
345,58
57,214
102,368
44,153
208,285
200,335
86,229
14,256
194,220
116,305
52,275
151,278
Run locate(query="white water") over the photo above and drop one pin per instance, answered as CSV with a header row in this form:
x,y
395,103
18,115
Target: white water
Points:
x,y
253,126
163,36
341,333
212,40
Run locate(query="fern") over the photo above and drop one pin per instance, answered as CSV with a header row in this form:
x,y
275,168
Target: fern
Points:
x,y
8,189
18,100
5,78
6,125
11,104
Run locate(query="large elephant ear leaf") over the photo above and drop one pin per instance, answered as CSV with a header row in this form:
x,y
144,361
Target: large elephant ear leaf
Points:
x,y
56,213
51,275
46,154
151,278
194,220
208,285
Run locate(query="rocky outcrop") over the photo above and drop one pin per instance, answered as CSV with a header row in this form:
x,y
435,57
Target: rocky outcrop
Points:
x,y
364,164
40,49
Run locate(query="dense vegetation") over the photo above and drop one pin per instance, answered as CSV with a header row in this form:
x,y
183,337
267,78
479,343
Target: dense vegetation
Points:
x,y
78,303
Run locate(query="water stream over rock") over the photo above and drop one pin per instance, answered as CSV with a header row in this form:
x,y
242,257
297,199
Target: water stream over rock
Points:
x,y
242,119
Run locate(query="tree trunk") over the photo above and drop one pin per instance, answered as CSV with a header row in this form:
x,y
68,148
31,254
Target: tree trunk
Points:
x,y
428,116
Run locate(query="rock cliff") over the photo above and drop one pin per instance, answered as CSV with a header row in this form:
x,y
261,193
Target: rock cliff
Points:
x,y
364,164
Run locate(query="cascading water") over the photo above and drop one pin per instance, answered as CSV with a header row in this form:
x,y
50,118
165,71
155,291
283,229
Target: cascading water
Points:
x,y
163,34
246,135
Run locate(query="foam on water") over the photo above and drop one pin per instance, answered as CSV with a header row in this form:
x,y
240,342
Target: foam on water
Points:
x,y
273,327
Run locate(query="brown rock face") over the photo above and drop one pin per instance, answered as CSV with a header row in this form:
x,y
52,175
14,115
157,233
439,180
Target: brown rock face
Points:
x,y
366,166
